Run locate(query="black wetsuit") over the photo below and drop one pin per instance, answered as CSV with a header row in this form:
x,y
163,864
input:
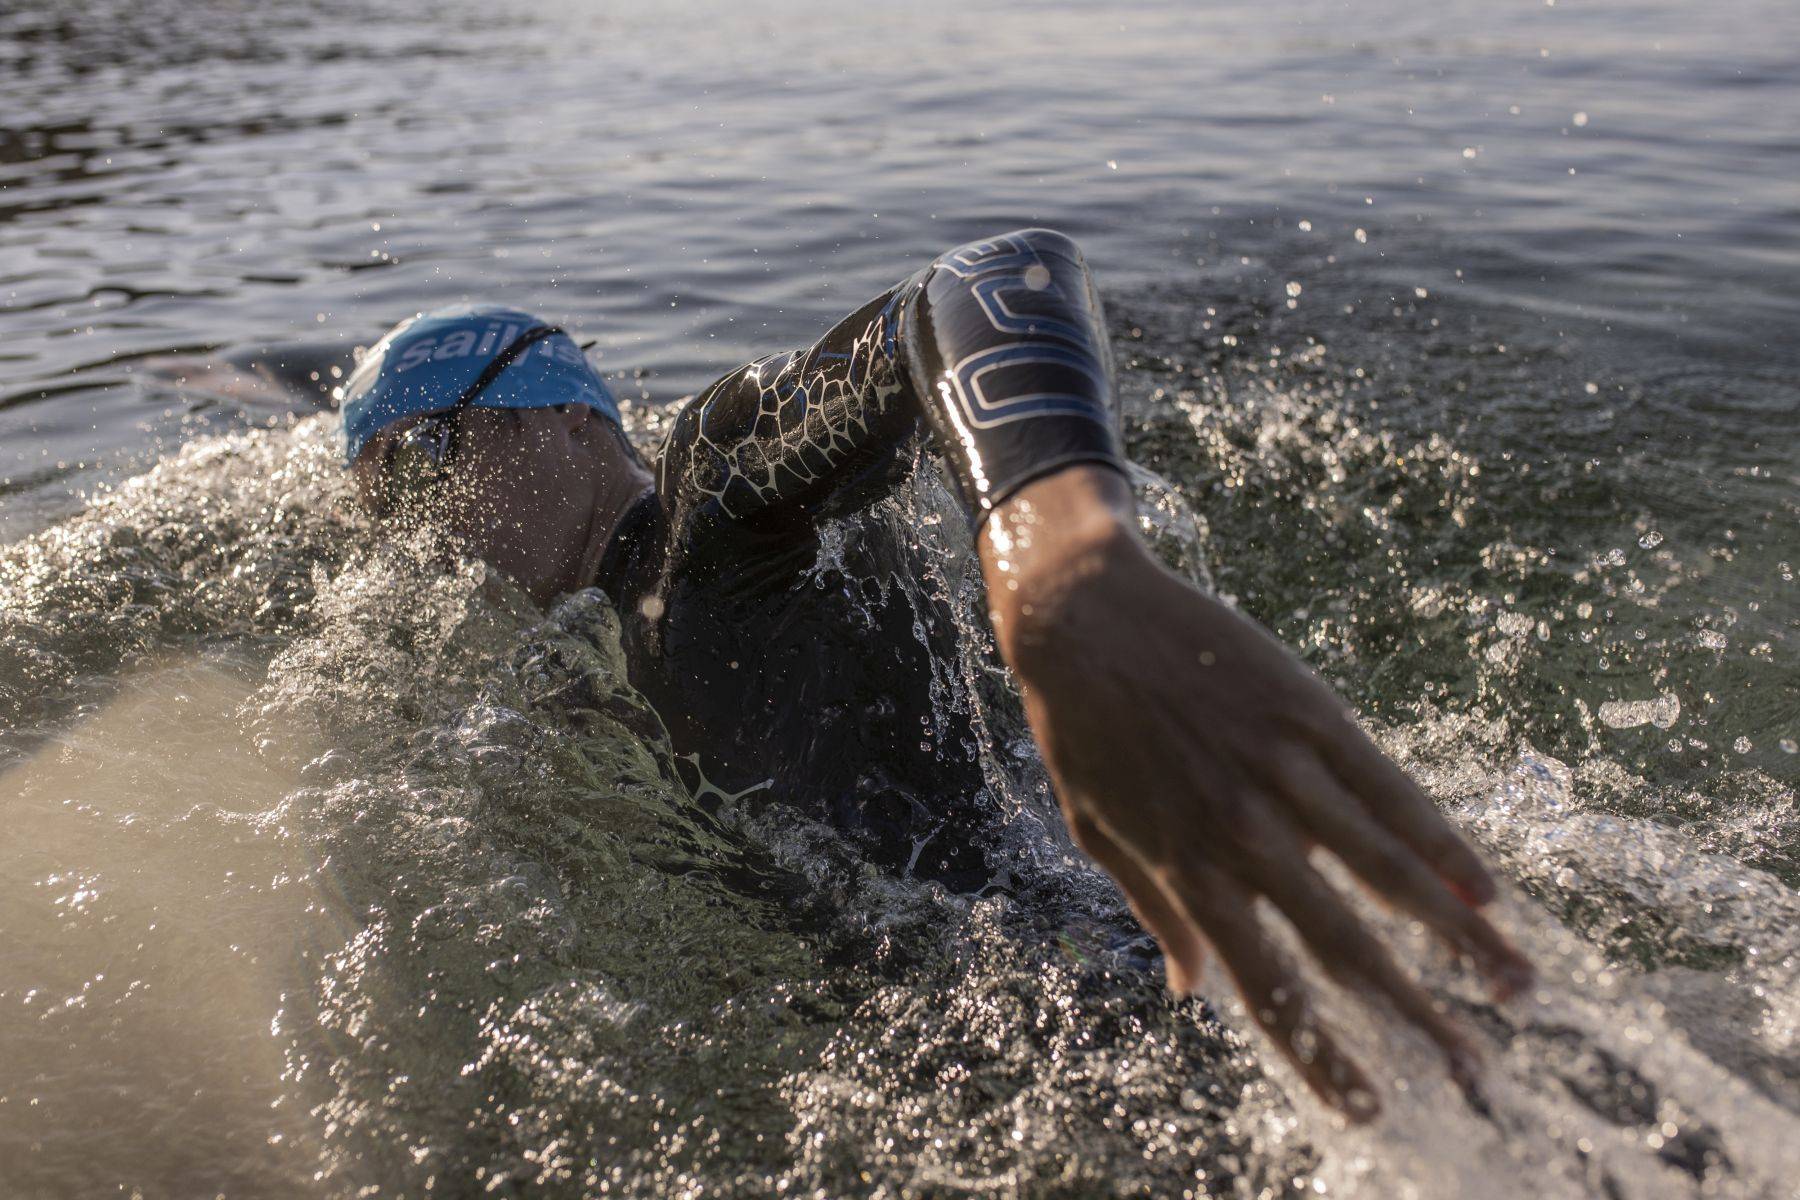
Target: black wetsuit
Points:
x,y
771,670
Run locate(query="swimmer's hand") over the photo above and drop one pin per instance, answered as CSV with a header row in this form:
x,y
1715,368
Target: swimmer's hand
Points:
x,y
1199,762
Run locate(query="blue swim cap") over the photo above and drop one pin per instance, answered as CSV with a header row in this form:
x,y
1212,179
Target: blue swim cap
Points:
x,y
426,363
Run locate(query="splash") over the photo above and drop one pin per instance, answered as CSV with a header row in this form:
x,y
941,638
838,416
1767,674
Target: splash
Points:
x,y
522,959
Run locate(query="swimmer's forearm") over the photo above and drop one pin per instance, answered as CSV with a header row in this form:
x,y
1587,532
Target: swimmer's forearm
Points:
x,y
1004,347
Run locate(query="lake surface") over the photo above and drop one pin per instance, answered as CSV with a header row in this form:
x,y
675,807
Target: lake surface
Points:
x,y
1461,340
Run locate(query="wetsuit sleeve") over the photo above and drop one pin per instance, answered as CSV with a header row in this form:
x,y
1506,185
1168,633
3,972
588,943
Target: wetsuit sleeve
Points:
x,y
998,347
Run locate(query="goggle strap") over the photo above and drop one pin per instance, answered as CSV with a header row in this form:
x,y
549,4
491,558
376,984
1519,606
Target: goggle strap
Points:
x,y
447,420
514,350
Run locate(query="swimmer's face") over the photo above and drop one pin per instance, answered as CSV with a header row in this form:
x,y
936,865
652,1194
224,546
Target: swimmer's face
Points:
x,y
528,491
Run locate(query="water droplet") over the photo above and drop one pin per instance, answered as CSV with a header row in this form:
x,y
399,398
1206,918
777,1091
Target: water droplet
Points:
x,y
1651,540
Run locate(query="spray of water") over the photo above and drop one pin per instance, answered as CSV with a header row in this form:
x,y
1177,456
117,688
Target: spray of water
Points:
x,y
446,921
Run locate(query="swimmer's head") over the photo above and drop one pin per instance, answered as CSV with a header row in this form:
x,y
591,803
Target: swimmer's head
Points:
x,y
493,425
475,356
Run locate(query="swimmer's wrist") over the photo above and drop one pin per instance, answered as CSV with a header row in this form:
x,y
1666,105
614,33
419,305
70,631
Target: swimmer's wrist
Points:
x,y
1047,544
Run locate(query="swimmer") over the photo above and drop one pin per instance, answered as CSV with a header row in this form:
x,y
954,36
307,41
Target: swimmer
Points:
x,y
1194,757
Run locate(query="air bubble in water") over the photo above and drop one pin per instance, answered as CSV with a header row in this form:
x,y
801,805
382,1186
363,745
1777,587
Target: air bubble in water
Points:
x,y
1513,624
1661,712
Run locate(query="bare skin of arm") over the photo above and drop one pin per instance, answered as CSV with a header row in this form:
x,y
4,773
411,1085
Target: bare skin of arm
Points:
x,y
1201,764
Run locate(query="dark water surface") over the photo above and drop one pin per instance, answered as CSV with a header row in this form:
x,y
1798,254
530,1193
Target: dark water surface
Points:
x,y
1461,338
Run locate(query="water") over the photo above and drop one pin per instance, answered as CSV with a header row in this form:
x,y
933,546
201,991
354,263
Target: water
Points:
x,y
1460,342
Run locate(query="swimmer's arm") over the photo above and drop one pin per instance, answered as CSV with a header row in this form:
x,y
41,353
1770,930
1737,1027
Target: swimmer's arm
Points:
x,y
788,439
273,378
221,379
998,348
1200,762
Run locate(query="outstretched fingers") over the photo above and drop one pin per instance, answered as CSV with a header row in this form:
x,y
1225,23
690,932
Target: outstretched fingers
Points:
x,y
1394,870
1403,808
1270,987
1353,955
